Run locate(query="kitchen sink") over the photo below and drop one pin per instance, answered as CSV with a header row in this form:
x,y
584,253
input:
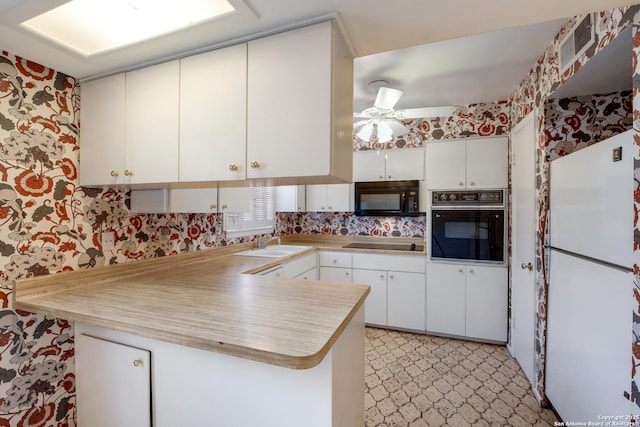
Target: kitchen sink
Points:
x,y
274,251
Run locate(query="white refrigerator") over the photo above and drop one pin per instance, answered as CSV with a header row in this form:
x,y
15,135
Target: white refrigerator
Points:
x,y
590,299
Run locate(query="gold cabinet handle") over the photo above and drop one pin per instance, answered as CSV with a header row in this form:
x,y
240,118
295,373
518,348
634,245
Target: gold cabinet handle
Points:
x,y
472,183
255,165
233,167
127,172
224,206
115,173
460,183
471,271
391,277
460,270
527,266
214,206
137,362
346,274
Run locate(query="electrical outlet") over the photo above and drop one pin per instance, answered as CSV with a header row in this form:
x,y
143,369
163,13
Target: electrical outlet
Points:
x,y
108,239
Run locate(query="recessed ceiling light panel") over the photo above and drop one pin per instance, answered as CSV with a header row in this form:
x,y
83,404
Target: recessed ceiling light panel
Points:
x,y
93,26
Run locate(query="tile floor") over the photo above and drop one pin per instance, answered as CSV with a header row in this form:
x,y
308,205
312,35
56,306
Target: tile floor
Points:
x,y
421,380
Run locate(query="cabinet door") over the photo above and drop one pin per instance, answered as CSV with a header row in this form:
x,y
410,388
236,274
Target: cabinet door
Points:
x,y
446,165
375,311
446,299
487,163
151,124
406,300
316,198
149,201
405,164
335,274
236,199
368,165
339,198
193,200
213,99
102,131
290,198
289,112
487,295
113,383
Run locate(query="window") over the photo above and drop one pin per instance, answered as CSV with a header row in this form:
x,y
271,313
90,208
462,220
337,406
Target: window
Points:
x,y
259,219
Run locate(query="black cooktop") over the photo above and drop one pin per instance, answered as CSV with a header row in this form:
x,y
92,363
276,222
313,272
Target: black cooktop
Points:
x,y
386,246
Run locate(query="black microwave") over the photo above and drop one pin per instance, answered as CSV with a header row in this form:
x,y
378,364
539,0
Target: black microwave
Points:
x,y
387,198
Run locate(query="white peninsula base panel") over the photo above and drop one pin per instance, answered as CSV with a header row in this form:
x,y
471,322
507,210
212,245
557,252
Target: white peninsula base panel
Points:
x,y
198,388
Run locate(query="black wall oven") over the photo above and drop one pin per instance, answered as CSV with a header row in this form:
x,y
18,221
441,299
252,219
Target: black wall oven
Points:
x,y
468,226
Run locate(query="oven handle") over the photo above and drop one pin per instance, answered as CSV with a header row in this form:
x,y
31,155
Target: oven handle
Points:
x,y
468,208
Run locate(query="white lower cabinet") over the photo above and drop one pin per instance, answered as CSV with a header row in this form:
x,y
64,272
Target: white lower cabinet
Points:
x,y
311,274
113,383
467,300
300,266
406,300
375,306
336,274
397,297
335,266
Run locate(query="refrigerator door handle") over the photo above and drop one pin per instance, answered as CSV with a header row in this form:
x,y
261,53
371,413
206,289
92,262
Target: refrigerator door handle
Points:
x,y
588,258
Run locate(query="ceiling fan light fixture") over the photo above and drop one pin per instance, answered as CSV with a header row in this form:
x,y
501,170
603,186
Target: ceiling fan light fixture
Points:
x,y
385,133
365,132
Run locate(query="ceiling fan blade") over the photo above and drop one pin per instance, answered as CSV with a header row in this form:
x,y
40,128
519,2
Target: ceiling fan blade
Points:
x,y
387,98
421,113
397,128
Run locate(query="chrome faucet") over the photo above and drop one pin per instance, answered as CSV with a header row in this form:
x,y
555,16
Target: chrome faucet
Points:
x,y
261,245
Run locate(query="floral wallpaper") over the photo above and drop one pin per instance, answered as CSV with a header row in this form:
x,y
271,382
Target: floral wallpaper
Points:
x,y
574,123
532,93
348,224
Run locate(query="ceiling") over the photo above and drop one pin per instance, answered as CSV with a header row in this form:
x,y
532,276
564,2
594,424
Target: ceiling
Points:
x,y
440,53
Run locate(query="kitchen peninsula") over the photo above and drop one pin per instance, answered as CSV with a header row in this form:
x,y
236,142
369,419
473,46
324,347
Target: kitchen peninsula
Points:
x,y
217,346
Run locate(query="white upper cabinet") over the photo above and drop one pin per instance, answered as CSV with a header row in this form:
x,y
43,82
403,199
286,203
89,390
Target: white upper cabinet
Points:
x,y
213,118
329,198
193,200
151,124
467,164
388,165
290,198
299,111
102,131
234,199
488,163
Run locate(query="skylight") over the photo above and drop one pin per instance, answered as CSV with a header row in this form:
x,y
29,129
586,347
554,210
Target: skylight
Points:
x,y
93,26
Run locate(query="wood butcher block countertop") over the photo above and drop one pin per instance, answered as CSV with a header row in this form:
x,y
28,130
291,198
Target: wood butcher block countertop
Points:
x,y
203,300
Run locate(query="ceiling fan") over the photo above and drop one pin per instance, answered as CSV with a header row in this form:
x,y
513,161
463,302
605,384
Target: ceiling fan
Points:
x,y
382,122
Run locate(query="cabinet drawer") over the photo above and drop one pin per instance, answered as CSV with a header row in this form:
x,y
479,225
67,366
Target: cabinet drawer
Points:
x,y
335,259
297,266
335,274
410,263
